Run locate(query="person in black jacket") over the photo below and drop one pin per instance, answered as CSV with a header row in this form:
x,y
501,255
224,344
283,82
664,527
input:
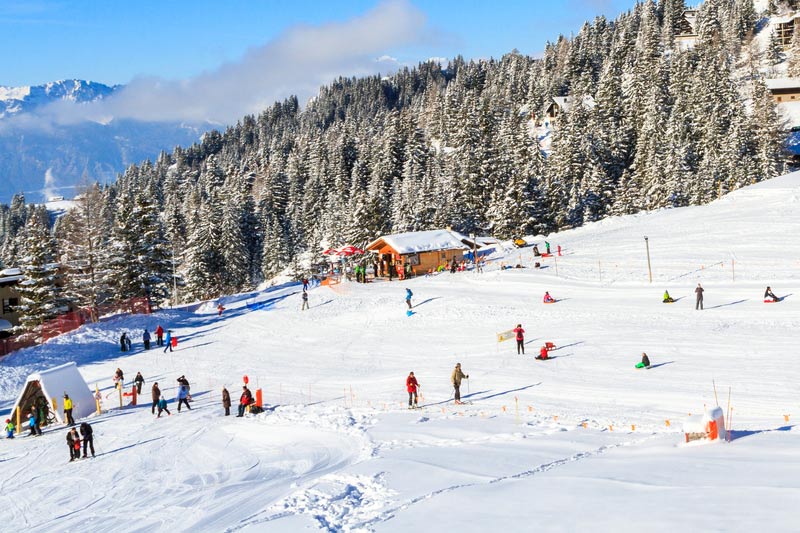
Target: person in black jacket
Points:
x,y
698,304
88,440
138,381
74,443
226,401
769,294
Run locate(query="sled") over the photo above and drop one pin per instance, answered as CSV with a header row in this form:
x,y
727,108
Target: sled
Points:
x,y
663,302
409,312
550,302
540,358
641,365
771,301
549,346
547,255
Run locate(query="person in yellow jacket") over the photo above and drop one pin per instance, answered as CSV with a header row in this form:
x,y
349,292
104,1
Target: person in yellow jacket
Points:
x,y
68,410
455,379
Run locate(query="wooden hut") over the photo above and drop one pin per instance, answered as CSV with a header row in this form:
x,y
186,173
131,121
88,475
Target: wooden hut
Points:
x,y
417,251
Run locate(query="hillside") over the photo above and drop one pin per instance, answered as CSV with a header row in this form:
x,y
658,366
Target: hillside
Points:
x,y
338,451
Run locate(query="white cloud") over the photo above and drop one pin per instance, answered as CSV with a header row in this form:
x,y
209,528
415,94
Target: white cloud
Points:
x,y
297,62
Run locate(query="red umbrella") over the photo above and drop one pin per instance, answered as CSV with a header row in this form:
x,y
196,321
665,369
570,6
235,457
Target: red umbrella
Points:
x,y
331,251
350,250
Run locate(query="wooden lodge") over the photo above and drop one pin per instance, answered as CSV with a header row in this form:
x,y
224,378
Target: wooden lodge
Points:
x,y
784,89
418,252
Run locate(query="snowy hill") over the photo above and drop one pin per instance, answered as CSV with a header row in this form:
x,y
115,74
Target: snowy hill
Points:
x,y
577,443
42,159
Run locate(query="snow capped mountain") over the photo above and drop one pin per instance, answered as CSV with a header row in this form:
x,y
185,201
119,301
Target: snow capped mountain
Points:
x,y
14,100
44,159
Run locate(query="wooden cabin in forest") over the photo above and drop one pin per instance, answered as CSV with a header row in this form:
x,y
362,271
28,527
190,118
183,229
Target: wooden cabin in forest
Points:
x,y
419,250
784,89
9,278
785,28
562,104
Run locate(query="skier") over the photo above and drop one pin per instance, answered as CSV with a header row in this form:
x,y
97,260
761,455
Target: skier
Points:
x,y
245,400
769,294
9,429
547,298
183,392
123,342
542,353
520,339
156,396
88,439
226,401
409,294
645,362
220,309
139,381
146,339
412,384
68,410
305,284
162,406
168,341
305,301
119,379
74,443
698,304
667,298
455,379
159,335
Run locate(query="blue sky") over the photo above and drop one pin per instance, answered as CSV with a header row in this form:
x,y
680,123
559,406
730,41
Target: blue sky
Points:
x,y
117,41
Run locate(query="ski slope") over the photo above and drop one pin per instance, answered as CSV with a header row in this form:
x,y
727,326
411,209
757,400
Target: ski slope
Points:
x,y
577,443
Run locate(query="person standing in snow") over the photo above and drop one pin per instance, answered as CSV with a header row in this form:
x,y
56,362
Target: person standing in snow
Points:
x,y
546,247
244,400
88,439
159,335
138,381
305,301
305,284
412,385
409,294
168,341
119,379
162,406
68,410
220,309
156,396
123,342
455,379
698,304
520,336
183,392
146,339
226,401
74,443
9,429
185,382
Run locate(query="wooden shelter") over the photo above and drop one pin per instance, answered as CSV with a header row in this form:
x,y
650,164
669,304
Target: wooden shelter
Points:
x,y
417,251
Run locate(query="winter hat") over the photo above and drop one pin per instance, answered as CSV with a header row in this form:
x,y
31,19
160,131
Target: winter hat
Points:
x,y
8,421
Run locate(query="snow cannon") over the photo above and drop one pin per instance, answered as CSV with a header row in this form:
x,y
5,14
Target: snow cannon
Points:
x,y
709,426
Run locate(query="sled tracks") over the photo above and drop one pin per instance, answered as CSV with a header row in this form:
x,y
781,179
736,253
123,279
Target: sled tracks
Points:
x,y
359,502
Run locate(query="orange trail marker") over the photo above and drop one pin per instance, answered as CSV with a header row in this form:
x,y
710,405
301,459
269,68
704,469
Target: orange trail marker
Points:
x,y
530,408
633,427
785,418
611,428
555,418
584,425
504,408
666,422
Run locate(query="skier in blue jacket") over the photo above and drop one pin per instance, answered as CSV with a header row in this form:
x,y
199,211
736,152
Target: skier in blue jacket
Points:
x,y
409,294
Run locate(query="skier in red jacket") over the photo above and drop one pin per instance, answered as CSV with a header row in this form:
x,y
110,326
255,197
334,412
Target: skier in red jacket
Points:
x,y
159,336
412,385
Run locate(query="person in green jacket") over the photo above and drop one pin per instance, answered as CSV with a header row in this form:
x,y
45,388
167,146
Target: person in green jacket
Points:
x,y
667,298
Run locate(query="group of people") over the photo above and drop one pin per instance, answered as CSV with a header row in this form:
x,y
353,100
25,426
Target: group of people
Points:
x,y
699,290
74,441
519,336
125,341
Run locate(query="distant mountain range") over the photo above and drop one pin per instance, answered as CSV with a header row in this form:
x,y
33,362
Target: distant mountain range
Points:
x,y
49,161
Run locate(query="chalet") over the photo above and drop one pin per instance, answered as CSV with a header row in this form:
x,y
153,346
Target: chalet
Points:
x,y
784,89
562,104
9,278
686,36
785,28
421,250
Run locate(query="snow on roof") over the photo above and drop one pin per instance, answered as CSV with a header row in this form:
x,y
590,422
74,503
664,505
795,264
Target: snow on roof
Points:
x,y
565,102
782,83
789,112
10,272
421,241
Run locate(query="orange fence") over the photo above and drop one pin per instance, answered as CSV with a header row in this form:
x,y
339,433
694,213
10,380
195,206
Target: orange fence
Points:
x,y
71,321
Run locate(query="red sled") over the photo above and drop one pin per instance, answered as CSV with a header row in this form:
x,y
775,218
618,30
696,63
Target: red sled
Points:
x,y
174,342
547,255
550,302
549,346
771,301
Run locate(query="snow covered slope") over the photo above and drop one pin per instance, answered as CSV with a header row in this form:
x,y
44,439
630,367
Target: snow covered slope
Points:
x,y
577,443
